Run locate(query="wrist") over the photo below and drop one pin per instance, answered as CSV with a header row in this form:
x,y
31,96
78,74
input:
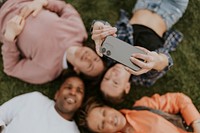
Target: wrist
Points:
x,y
162,63
9,36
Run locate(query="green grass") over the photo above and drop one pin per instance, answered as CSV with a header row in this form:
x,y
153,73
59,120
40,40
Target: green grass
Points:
x,y
184,76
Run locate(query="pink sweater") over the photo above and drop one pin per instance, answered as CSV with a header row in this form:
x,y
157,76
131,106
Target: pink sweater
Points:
x,y
36,56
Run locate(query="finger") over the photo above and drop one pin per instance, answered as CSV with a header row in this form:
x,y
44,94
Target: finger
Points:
x,y
143,49
18,19
22,23
139,63
140,56
98,50
107,29
139,72
35,13
25,12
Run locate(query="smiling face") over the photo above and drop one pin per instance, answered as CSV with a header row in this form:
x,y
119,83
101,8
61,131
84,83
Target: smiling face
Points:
x,y
69,97
115,80
105,120
85,60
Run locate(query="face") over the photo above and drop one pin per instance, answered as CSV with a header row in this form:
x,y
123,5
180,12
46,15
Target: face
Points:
x,y
105,120
115,80
70,96
85,60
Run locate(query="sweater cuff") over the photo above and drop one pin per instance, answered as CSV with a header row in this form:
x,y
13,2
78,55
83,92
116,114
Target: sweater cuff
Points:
x,y
9,44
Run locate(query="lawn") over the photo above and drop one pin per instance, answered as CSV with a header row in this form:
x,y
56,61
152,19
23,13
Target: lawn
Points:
x,y
184,76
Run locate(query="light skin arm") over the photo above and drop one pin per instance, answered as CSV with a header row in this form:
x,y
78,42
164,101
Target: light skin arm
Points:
x,y
152,59
100,32
24,69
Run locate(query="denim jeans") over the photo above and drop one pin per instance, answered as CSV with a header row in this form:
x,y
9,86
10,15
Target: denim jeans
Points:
x,y
170,10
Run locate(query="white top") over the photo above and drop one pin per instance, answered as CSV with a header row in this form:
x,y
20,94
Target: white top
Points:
x,y
33,113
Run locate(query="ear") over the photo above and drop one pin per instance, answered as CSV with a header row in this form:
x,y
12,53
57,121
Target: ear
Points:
x,y
128,87
56,95
77,70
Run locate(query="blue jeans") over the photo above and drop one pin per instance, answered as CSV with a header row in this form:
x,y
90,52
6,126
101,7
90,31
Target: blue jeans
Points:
x,y
170,10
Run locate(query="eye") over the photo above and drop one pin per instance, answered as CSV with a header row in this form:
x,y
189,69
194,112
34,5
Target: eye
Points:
x,y
80,90
67,87
104,113
106,78
115,82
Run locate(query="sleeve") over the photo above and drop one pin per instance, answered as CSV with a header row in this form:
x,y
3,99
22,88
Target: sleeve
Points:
x,y
172,103
22,68
69,15
11,108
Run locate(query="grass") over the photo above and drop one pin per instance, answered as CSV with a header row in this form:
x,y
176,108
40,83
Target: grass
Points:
x,y
183,77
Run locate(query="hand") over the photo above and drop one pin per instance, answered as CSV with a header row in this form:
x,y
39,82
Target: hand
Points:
x,y
33,7
99,33
147,62
196,126
14,27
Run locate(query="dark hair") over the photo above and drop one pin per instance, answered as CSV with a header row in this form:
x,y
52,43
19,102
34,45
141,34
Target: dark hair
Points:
x,y
70,73
114,100
2,2
90,104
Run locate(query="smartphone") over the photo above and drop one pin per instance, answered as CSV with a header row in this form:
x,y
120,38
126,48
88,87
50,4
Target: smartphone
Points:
x,y
120,51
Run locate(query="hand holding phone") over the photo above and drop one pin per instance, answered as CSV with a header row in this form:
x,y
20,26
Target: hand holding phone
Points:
x,y
120,51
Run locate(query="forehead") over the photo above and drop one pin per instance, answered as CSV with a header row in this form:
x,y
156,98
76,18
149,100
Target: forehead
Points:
x,y
94,118
74,80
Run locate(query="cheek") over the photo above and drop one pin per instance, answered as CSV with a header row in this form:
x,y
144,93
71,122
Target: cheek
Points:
x,y
80,98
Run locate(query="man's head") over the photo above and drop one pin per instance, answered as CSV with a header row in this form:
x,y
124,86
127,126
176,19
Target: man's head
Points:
x,y
115,84
85,60
69,97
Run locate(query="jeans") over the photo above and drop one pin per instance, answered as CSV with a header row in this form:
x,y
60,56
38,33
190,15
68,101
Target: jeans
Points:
x,y
170,10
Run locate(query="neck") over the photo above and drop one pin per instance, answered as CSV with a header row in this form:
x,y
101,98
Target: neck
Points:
x,y
127,128
66,116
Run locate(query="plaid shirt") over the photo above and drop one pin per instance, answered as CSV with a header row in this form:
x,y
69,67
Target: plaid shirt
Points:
x,y
171,37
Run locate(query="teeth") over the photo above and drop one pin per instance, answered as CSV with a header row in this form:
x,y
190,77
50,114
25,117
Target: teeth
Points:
x,y
70,100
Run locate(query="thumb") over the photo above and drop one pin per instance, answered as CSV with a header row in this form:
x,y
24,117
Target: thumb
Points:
x,y
98,50
35,13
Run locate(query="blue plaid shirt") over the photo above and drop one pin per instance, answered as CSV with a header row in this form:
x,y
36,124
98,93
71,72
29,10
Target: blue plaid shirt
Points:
x,y
171,37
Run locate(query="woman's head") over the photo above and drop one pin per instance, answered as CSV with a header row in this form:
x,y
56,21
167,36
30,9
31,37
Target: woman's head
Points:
x,y
115,84
100,118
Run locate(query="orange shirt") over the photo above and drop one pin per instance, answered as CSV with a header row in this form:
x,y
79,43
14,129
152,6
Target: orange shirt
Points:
x,y
148,122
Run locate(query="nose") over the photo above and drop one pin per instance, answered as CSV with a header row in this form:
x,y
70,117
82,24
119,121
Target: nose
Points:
x,y
73,91
110,120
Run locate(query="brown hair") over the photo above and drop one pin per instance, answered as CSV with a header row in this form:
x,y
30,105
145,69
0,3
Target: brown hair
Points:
x,y
90,104
114,100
